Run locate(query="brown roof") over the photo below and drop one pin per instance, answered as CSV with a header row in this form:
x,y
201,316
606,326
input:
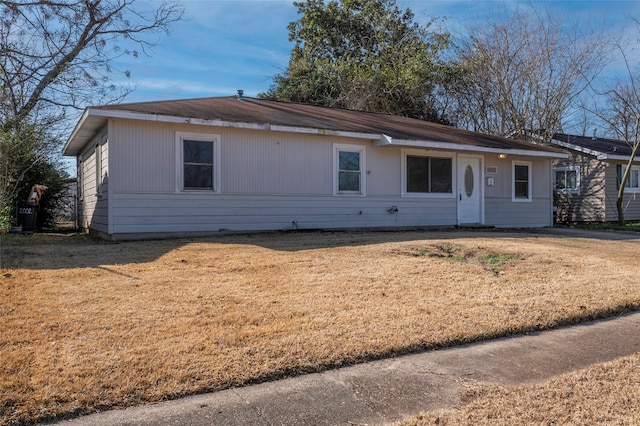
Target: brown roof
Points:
x,y
263,112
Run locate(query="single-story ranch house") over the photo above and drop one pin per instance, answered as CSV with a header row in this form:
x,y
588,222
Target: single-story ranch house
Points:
x,y
586,184
201,166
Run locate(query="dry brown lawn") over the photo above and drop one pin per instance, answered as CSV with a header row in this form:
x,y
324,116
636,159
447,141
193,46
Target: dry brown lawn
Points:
x,y
606,394
88,325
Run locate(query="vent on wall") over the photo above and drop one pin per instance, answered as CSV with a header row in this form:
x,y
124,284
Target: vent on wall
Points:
x,y
491,170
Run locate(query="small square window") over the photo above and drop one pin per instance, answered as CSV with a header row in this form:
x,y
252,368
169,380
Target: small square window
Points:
x,y
566,179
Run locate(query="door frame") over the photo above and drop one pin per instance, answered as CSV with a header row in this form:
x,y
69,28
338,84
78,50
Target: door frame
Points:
x,y
480,180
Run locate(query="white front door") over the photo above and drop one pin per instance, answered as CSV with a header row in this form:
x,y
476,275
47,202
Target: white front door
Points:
x,y
469,190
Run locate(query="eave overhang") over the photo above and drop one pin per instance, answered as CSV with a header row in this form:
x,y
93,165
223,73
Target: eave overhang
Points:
x,y
94,119
388,141
599,155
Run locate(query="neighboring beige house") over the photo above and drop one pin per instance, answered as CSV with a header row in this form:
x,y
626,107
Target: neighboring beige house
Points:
x,y
202,166
586,184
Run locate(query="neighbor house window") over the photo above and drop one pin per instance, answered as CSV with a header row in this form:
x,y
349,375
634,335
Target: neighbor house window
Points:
x,y
349,166
633,179
427,175
198,165
521,181
566,179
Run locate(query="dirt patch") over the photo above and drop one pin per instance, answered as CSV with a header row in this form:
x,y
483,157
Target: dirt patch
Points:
x,y
489,259
89,325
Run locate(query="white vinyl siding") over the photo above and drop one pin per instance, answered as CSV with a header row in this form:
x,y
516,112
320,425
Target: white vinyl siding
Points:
x,y
271,180
499,208
193,212
92,171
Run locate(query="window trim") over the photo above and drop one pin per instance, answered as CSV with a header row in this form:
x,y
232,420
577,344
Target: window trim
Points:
x,y
422,153
361,150
99,151
200,137
567,169
629,189
529,165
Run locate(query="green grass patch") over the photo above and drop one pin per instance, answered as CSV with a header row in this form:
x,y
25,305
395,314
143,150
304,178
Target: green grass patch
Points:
x,y
490,260
496,258
609,226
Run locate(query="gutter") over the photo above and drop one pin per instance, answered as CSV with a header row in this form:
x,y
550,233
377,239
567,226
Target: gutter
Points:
x,y
389,141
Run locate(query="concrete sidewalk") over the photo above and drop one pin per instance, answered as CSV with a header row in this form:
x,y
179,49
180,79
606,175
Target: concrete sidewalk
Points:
x,y
385,391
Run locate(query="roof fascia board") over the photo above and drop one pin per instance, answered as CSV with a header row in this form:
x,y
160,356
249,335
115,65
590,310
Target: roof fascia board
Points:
x,y
598,154
388,141
616,157
222,123
577,148
316,131
128,115
76,129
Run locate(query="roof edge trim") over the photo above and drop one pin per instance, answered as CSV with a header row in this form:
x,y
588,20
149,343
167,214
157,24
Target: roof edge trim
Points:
x,y
389,141
577,148
75,131
325,132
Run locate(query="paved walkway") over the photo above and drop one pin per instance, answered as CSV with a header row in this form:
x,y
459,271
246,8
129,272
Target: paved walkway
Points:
x,y
385,391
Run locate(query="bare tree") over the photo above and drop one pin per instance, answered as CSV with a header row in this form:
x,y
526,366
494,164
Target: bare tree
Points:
x,y
59,53
620,114
524,73
56,56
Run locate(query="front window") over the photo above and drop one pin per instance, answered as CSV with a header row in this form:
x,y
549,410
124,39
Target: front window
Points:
x,y
426,175
521,181
566,179
198,167
349,166
349,171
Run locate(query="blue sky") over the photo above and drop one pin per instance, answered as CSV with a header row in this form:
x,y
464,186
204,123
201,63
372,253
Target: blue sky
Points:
x,y
225,45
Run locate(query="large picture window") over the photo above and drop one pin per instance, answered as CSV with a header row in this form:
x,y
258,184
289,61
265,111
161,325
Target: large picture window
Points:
x,y
426,175
349,177
521,181
199,160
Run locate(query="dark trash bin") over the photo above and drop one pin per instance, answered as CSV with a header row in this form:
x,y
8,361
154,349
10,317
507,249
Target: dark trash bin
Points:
x,y
27,215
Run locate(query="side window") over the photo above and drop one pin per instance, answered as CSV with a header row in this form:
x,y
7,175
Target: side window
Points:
x,y
633,180
521,185
349,167
198,167
566,179
98,153
80,179
198,164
